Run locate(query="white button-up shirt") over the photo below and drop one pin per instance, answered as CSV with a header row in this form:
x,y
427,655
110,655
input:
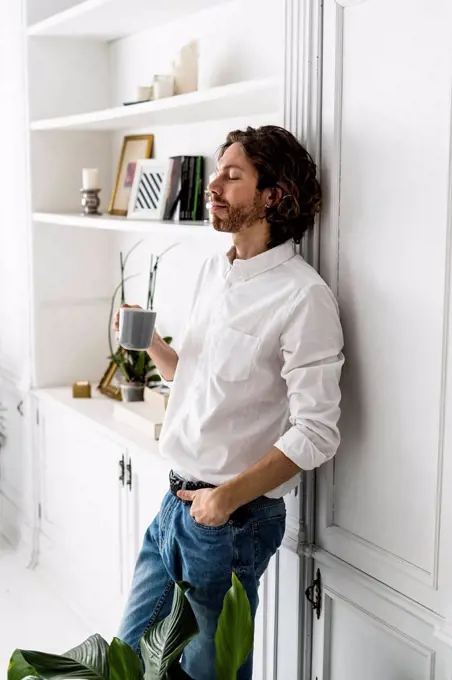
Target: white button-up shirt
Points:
x,y
259,367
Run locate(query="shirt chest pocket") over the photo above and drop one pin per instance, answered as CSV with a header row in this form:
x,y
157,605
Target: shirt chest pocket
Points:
x,y
233,354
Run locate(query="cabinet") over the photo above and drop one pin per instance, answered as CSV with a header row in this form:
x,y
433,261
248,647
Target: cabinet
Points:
x,y
97,498
15,497
148,484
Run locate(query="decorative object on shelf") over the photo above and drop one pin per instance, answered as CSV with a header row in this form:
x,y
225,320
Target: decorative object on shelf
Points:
x,y
185,189
163,86
161,646
90,178
134,148
131,391
2,427
149,190
108,385
90,202
135,366
90,191
144,94
137,371
185,69
81,390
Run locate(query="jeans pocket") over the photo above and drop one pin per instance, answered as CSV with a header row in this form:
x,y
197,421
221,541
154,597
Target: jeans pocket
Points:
x,y
205,527
268,535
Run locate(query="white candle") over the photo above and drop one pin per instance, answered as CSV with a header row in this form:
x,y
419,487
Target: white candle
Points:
x,y
90,178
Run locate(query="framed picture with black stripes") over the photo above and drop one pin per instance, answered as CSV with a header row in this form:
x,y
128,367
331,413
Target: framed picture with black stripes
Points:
x,y
149,190
134,148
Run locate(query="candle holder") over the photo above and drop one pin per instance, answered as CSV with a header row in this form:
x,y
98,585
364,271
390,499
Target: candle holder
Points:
x,y
90,202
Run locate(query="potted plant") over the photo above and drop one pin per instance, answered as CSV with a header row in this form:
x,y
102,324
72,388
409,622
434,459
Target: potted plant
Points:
x,y
136,367
161,647
138,371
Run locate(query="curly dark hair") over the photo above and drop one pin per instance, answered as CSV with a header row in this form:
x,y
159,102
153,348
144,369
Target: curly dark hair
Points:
x,y
281,161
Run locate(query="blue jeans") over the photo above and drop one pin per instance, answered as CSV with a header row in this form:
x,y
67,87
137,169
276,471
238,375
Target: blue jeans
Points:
x,y
177,548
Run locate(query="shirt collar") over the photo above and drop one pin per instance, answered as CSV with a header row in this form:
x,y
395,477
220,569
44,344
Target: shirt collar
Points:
x,y
263,262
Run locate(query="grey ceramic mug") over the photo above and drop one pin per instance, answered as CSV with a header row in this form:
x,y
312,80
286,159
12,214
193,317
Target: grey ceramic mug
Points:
x,y
136,327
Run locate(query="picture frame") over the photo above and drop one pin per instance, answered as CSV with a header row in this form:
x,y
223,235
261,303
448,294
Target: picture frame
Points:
x,y
149,191
106,386
134,148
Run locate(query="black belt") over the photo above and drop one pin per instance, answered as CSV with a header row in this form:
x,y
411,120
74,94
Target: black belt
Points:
x,y
243,513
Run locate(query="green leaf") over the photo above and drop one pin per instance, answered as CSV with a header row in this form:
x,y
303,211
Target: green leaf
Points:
x,y
49,667
234,636
92,653
163,644
124,662
154,378
168,339
19,668
139,366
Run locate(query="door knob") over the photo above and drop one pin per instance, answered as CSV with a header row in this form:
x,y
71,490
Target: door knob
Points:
x,y
122,474
129,474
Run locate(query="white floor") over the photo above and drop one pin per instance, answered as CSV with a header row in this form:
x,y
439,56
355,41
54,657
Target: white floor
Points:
x,y
31,616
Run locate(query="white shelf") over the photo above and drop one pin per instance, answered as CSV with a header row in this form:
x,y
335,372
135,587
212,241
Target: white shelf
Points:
x,y
99,412
112,19
245,98
113,223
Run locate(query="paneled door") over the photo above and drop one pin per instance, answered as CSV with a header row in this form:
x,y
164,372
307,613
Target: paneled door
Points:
x,y
383,521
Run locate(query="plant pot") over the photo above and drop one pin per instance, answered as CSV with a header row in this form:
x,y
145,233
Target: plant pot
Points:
x,y
132,392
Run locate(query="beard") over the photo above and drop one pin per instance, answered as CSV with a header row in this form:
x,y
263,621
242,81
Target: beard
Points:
x,y
239,218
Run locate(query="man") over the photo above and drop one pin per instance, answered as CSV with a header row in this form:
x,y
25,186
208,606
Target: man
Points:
x,y
255,397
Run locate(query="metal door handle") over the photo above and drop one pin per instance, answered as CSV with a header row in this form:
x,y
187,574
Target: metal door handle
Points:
x,y
122,476
129,474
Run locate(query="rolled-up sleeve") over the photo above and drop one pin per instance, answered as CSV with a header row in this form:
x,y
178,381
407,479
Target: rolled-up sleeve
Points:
x,y
311,346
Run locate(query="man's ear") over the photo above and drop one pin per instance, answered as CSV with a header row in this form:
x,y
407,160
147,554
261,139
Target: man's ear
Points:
x,y
273,196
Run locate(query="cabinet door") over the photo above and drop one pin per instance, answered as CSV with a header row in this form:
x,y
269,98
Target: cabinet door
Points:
x,y
148,474
14,477
82,516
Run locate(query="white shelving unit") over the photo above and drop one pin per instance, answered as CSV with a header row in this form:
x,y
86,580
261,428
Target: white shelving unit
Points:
x,y
108,20
98,413
248,98
113,223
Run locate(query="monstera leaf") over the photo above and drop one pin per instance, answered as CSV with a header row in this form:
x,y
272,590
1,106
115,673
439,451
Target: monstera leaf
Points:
x,y
163,644
88,661
161,647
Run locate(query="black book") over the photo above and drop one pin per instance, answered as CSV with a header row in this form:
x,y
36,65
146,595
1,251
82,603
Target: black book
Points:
x,y
184,213
198,199
173,195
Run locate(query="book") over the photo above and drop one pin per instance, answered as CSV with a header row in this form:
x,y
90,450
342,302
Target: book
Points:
x,y
198,204
184,196
185,189
173,197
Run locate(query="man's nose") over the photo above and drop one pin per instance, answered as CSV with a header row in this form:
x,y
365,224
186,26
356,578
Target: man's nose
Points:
x,y
215,187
